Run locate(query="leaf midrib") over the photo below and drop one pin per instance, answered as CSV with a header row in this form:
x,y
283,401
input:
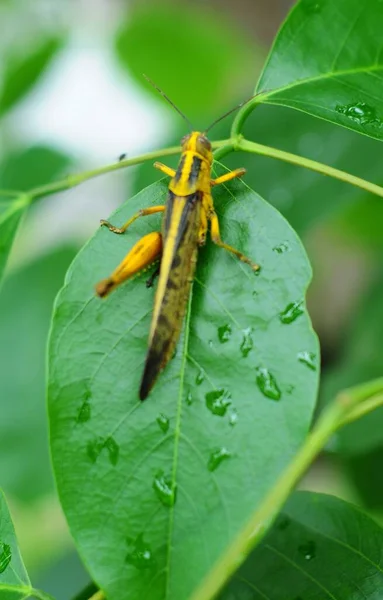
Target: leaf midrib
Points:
x,y
177,432
322,76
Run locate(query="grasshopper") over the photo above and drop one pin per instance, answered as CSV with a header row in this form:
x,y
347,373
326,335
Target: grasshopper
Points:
x,y
188,212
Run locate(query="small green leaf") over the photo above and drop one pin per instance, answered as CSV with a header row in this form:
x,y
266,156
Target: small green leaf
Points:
x,y
320,547
22,72
14,580
327,60
171,497
11,212
23,171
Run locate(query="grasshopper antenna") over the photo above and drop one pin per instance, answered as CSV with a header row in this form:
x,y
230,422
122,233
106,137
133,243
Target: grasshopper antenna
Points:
x,y
232,110
168,100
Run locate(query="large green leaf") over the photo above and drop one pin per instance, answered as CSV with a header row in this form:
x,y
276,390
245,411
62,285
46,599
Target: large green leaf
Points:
x,y
327,60
14,580
238,395
320,547
22,71
200,76
25,310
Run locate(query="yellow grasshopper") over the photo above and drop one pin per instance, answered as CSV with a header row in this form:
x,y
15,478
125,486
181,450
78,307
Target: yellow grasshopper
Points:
x,y
187,213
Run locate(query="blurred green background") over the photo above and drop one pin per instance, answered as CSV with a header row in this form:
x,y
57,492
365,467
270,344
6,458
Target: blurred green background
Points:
x,y
72,97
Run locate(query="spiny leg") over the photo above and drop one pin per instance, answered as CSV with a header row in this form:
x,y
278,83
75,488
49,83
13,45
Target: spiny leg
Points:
x,y
164,169
154,275
146,251
216,237
228,176
144,212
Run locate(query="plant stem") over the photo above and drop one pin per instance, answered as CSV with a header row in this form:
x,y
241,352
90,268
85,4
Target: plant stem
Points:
x,y
75,180
332,418
313,165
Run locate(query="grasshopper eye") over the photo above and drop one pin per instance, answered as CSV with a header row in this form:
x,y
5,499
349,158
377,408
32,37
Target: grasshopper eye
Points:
x,y
185,139
204,142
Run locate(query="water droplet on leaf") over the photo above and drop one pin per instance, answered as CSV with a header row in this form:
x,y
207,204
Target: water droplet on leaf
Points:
x,y
291,312
94,449
5,556
308,550
360,113
200,377
308,358
84,413
113,450
216,458
247,342
267,384
140,554
224,333
233,417
189,399
282,248
165,489
218,401
163,422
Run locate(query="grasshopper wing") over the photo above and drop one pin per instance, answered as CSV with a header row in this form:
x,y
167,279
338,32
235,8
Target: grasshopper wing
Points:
x,y
180,238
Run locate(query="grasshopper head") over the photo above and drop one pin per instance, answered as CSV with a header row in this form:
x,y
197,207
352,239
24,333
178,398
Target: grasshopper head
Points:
x,y
197,142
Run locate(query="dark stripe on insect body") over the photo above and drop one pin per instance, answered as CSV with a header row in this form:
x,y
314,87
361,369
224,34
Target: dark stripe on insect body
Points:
x,y
166,327
180,169
194,171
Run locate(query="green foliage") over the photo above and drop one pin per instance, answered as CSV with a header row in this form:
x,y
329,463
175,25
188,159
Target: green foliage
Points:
x,y
24,459
236,379
319,547
338,79
23,71
14,580
197,73
161,495
22,171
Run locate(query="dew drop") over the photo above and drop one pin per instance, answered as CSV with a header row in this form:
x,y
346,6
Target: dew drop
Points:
x,y
94,449
247,342
282,248
165,489
308,550
210,343
84,412
5,556
218,401
216,457
360,113
163,422
233,417
200,377
291,312
307,358
258,271
189,398
113,450
254,294
267,384
140,554
224,333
